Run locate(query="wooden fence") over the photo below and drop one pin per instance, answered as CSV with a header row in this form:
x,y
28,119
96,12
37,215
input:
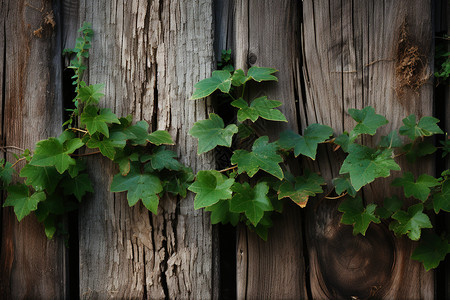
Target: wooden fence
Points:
x,y
331,56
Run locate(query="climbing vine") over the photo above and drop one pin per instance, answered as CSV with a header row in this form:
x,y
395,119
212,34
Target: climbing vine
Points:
x,y
257,182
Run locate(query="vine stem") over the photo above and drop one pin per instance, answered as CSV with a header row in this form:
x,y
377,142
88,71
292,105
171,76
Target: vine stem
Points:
x,y
335,198
86,154
228,169
12,147
17,161
79,130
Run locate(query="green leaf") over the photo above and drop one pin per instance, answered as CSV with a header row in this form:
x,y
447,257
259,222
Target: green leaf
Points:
x,y
427,126
244,131
210,187
77,186
263,156
260,107
364,164
41,178
91,94
357,215
344,141
238,78
419,189
56,152
343,184
160,137
219,80
416,150
211,133
410,222
392,140
431,251
306,144
19,197
251,201
96,121
368,120
178,182
163,159
445,146
302,188
441,200
106,146
220,213
390,206
261,74
6,173
138,133
145,187
262,229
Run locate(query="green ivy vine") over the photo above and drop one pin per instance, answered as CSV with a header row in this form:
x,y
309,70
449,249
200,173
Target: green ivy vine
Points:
x,y
257,182
254,187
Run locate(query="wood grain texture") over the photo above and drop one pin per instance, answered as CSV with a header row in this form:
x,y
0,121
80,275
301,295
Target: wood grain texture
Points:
x,y
350,54
258,36
150,54
31,266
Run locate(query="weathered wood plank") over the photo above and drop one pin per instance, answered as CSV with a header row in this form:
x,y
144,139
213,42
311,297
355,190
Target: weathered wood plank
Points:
x,y
350,54
149,54
260,37
31,266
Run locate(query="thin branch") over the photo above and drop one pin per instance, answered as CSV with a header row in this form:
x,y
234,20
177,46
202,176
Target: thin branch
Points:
x,y
79,130
12,147
335,198
228,169
86,154
23,158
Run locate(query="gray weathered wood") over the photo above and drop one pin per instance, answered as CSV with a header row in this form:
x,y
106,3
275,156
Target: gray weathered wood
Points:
x,y
349,62
259,36
149,54
31,266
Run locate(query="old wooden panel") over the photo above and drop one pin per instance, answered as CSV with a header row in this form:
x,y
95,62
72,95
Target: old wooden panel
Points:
x,y
350,54
149,54
31,266
263,33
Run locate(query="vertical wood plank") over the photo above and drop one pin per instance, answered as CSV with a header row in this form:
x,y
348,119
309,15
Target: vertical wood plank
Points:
x,y
31,266
350,52
265,34
149,54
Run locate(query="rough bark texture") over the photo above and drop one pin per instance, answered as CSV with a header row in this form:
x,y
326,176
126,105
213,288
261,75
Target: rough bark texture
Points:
x,y
350,56
31,266
149,54
258,36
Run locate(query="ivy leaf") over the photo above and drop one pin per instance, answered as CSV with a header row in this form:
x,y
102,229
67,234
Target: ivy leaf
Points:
x,y
55,152
238,78
137,133
77,186
416,150
344,141
306,144
263,156
260,107
160,137
210,187
19,197
302,188
431,251
419,189
357,215
244,131
91,94
441,200
219,80
6,172
364,164
392,140
162,158
445,146
41,178
390,206
178,182
368,120
106,146
145,187
410,222
261,74
343,184
220,213
97,121
251,201
211,133
427,126
262,229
